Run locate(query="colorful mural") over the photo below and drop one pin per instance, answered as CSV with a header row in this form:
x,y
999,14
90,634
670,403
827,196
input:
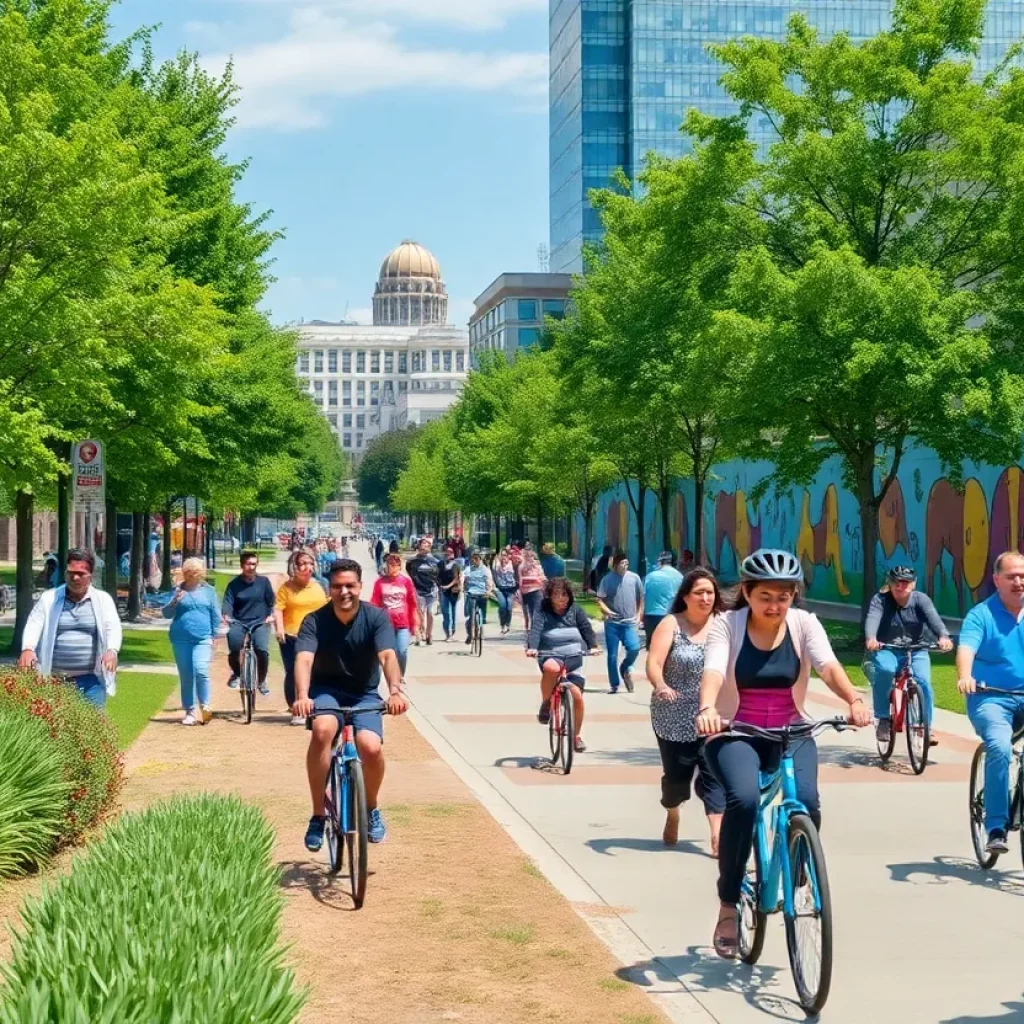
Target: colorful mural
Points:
x,y
949,533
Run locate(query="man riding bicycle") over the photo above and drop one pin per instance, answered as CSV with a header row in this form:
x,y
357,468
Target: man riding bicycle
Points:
x,y
339,654
991,651
901,614
249,601
478,586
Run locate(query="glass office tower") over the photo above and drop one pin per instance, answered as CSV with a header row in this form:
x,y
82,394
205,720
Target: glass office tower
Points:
x,y
624,73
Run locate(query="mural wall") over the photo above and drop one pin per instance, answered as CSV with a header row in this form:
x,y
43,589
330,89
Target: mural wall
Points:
x,y
950,536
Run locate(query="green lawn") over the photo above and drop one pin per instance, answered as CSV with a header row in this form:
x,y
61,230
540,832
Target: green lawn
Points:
x,y
140,695
140,647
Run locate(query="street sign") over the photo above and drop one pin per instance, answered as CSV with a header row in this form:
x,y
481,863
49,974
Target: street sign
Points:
x,y
88,476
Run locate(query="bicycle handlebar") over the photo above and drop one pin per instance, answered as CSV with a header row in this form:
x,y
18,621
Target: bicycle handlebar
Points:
x,y
998,691
909,647
785,732
346,713
250,628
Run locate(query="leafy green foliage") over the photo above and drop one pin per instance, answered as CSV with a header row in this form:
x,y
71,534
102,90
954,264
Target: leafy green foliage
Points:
x,y
383,462
175,913
84,739
32,794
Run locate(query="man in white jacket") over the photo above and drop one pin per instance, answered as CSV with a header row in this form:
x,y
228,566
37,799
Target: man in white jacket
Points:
x,y
74,631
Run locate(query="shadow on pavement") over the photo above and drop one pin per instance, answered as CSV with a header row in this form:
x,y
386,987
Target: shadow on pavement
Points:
x,y
702,971
607,846
635,756
955,869
313,878
538,763
1015,1013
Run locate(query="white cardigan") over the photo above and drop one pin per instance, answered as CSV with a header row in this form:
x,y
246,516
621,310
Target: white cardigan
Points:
x,y
725,641
40,632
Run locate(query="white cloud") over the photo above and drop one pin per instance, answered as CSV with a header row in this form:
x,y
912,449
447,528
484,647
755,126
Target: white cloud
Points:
x,y
324,56
362,315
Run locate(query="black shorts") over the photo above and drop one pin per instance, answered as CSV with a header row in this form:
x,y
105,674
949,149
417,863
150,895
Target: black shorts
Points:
x,y
572,664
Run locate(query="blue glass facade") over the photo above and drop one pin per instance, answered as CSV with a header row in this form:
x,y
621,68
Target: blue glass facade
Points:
x,y
624,73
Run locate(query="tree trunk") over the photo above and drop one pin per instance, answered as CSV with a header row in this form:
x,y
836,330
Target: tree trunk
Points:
x,y
540,525
664,496
698,518
641,553
110,550
135,567
63,512
165,553
24,504
589,508
868,509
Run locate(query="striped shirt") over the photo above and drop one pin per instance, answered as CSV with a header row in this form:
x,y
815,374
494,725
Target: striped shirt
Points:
x,y
77,640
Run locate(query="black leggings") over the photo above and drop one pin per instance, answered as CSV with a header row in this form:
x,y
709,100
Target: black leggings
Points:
x,y
735,762
680,762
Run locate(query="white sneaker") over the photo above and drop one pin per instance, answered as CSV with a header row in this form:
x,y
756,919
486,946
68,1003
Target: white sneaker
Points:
x,y
190,718
298,720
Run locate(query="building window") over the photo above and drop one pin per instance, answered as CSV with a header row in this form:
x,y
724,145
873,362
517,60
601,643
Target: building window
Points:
x,y
303,362
403,362
448,361
527,309
332,361
346,441
318,392
346,419
360,362
333,419
361,420
435,361
389,362
332,392
318,361
460,362
403,387
359,440
501,313
528,336
374,392
360,392
346,362
375,362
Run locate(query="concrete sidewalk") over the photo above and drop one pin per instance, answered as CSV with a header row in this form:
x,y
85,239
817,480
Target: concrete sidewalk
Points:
x,y
921,933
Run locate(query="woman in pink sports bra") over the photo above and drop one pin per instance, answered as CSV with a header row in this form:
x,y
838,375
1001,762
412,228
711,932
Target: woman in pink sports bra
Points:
x,y
756,667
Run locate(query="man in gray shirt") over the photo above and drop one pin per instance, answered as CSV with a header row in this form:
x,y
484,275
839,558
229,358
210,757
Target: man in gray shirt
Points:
x,y
620,596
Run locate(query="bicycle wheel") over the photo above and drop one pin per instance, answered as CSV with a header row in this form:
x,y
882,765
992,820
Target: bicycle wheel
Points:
x,y
918,732
332,824
752,922
568,730
478,635
976,811
885,749
356,838
555,731
248,682
809,930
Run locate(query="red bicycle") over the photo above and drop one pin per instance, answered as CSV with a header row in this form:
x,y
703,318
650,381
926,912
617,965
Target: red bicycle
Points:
x,y
907,710
562,723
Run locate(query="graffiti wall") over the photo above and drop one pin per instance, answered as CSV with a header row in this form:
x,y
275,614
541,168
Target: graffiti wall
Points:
x,y
949,535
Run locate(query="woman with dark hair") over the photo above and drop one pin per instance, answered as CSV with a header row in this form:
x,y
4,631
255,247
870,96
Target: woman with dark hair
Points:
x,y
560,634
757,665
675,663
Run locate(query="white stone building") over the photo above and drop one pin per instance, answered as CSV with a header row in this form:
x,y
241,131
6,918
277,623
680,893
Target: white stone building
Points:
x,y
368,380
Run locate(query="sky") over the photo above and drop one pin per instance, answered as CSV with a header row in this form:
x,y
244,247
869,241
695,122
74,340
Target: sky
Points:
x,y
367,122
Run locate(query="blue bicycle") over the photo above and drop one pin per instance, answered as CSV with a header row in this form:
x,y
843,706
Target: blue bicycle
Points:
x,y
788,857
347,818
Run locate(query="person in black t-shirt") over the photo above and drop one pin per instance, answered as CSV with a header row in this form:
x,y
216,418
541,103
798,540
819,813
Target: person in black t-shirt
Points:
x,y
339,654
249,599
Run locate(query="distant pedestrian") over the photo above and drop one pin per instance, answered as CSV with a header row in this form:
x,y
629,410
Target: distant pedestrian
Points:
x,y
552,563
660,589
396,594
74,631
296,598
531,585
506,584
599,567
449,582
620,596
195,621
378,554
422,570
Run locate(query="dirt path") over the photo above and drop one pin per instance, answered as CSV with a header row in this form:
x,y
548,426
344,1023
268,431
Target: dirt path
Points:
x,y
457,926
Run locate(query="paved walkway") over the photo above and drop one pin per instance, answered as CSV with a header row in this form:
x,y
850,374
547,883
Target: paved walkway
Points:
x,y
922,935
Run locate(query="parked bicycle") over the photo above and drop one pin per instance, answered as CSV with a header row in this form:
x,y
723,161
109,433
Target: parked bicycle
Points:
x,y
788,862
346,826
976,793
907,710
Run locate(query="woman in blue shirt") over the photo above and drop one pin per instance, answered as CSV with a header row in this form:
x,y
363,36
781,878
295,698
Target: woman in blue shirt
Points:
x,y
195,614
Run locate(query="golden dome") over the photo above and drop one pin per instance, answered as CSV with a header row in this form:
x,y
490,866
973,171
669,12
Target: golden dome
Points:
x,y
410,259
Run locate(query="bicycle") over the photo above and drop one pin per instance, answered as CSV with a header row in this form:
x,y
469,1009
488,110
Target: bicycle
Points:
x,y
906,708
788,854
346,824
248,676
976,792
477,630
562,723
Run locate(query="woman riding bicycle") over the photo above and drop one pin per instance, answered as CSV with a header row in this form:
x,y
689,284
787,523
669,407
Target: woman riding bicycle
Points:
x,y
561,632
478,586
762,651
899,614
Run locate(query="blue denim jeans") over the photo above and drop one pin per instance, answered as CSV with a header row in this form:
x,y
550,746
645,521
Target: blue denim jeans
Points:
x,y
449,611
506,599
193,661
467,608
92,688
403,637
887,663
624,633
995,718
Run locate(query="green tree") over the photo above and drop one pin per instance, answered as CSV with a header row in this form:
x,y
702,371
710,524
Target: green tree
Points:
x,y
421,484
383,462
881,297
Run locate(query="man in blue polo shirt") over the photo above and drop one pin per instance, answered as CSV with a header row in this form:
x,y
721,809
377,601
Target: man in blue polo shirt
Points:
x,y
660,589
991,651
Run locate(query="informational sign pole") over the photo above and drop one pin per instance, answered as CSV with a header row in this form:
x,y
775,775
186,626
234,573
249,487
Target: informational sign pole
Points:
x,y
90,483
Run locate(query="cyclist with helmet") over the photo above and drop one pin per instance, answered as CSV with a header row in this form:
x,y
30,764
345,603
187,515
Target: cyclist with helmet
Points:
x,y
899,614
757,664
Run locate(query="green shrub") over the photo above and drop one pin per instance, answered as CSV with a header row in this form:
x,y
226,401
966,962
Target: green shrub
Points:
x,y
172,916
86,740
32,794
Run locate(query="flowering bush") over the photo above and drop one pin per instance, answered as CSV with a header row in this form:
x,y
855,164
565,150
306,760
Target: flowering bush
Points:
x,y
91,764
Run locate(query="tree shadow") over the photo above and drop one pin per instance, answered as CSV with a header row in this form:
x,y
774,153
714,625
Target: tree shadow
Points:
x,y
328,890
704,971
943,870
635,756
647,845
1015,1012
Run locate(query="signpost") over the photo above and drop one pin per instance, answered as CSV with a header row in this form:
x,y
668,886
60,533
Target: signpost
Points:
x,y
90,490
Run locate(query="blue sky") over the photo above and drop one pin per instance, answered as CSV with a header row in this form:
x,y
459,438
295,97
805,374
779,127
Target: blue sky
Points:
x,y
370,121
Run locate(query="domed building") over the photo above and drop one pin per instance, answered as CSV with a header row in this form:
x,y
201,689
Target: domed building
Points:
x,y
410,292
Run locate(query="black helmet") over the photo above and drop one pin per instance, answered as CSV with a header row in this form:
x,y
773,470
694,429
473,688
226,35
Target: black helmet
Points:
x,y
902,573
771,566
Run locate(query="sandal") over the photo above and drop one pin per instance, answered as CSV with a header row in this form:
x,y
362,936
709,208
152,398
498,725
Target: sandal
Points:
x,y
726,938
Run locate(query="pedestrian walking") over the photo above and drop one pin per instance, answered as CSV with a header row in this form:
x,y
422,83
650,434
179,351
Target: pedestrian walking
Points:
x,y
599,567
531,585
396,594
74,631
299,595
422,570
195,621
449,582
660,589
620,596
505,584
551,562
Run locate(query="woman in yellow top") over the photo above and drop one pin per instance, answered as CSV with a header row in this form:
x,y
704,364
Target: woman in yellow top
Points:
x,y
298,597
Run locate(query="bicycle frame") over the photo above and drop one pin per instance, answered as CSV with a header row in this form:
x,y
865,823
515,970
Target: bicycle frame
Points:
x,y
344,753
